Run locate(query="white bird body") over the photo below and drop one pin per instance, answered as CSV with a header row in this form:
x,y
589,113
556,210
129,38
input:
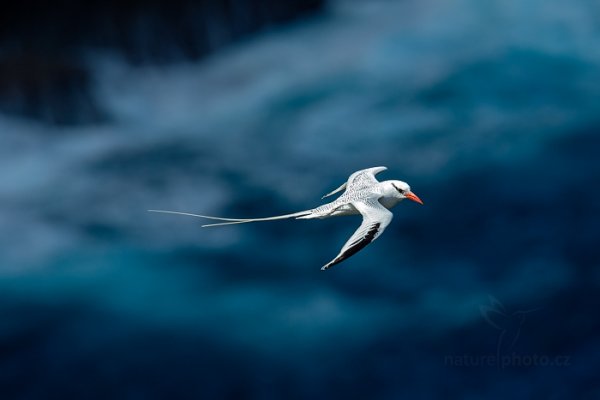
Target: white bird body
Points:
x,y
363,194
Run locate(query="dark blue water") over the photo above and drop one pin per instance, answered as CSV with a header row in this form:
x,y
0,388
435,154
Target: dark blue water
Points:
x,y
489,110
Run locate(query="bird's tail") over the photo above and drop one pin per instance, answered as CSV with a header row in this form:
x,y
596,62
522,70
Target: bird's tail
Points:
x,y
233,221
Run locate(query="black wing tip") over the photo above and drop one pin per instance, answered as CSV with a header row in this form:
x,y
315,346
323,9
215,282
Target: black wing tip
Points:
x,y
329,265
355,248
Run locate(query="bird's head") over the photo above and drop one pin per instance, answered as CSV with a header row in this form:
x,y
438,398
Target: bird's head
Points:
x,y
401,190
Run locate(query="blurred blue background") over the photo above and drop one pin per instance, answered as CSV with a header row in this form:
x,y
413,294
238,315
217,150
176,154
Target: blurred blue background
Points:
x,y
489,109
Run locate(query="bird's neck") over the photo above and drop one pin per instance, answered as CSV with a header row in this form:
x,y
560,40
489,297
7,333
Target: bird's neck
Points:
x,y
389,202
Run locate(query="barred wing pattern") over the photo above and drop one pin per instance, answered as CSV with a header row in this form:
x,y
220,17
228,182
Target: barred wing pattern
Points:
x,y
359,180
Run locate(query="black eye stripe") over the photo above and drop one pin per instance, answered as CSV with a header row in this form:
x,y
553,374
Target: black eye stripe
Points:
x,y
399,190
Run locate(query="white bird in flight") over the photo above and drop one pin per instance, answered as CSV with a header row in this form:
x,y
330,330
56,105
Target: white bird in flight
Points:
x,y
363,194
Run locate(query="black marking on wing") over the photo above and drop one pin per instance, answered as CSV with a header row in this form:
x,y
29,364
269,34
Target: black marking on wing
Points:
x,y
356,246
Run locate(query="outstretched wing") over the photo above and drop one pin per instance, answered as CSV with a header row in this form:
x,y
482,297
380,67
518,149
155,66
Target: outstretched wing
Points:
x,y
375,219
359,179
336,190
363,178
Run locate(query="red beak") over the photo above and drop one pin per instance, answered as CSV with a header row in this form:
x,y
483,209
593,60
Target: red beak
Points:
x,y
413,197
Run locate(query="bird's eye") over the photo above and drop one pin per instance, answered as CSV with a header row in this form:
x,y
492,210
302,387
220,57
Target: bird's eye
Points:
x,y
398,189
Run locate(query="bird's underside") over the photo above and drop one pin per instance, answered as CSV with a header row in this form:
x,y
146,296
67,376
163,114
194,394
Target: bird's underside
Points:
x,y
361,196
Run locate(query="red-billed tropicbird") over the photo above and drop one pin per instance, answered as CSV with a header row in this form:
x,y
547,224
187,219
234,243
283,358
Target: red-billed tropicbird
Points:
x,y
363,194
